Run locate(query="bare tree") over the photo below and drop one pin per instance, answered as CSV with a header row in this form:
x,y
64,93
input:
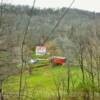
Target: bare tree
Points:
x,y
22,48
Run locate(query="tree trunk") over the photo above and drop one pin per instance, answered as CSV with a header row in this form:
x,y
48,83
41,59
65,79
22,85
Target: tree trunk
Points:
x,y
1,94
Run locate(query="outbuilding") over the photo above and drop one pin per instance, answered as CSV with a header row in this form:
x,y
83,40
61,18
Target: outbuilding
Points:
x,y
57,60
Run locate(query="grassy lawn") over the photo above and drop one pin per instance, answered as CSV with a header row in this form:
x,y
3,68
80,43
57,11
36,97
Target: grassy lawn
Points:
x,y
43,81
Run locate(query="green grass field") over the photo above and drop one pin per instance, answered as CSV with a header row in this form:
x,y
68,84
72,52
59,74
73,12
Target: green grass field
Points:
x,y
44,82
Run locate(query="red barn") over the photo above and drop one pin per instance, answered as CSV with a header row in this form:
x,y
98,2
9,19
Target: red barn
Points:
x,y
58,60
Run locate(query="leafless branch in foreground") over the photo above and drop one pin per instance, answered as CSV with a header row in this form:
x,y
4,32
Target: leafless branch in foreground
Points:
x,y
22,49
59,21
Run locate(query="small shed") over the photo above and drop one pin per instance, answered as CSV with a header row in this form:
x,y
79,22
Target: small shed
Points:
x,y
58,60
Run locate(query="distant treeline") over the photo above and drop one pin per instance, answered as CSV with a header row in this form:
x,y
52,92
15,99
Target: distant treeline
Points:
x,y
9,8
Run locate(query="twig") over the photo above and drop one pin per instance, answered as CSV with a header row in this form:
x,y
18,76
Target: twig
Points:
x,y
22,50
59,21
